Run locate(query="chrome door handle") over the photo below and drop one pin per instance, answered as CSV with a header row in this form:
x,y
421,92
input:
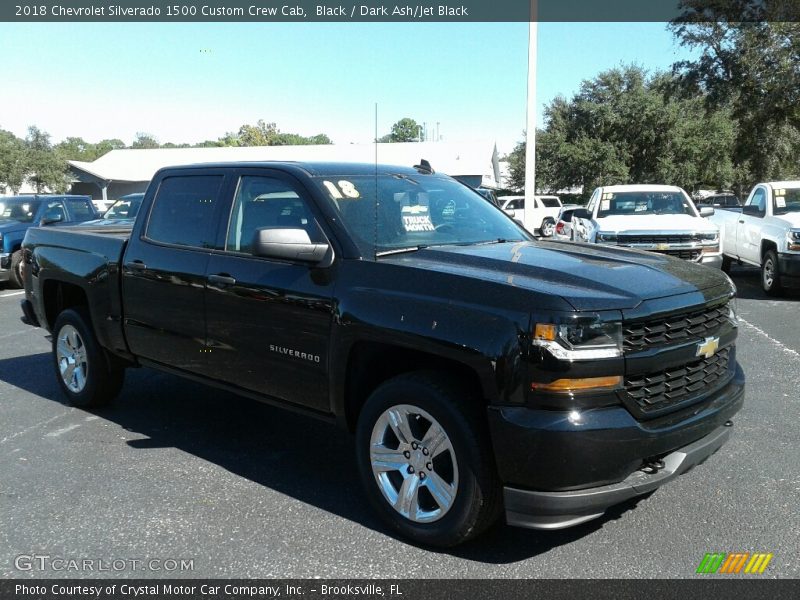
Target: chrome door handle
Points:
x,y
222,279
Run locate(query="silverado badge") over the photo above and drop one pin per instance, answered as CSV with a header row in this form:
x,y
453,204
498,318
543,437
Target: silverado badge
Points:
x,y
707,347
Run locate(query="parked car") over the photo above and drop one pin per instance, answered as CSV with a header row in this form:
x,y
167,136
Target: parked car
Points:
x,y
721,200
563,229
544,212
658,218
20,213
765,232
480,371
122,213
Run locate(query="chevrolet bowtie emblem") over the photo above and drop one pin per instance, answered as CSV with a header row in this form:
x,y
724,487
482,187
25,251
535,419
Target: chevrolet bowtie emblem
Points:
x,y
708,347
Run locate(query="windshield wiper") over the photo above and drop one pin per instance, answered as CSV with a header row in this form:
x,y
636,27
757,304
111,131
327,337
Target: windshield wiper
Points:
x,y
400,250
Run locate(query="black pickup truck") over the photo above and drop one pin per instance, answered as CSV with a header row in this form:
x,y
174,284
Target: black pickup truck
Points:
x,y
481,371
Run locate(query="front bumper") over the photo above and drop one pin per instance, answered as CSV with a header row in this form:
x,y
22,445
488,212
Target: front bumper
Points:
x,y
561,469
789,270
5,267
711,260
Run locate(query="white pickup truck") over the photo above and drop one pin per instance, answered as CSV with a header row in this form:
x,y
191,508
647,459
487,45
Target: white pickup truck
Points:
x,y
659,218
765,232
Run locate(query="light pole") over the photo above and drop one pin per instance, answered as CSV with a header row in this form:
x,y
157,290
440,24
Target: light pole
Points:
x,y
530,126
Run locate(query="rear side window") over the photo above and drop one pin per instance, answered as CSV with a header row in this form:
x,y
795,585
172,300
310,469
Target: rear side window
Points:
x,y
183,211
80,210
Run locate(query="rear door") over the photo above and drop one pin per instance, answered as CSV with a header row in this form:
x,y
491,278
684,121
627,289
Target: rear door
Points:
x,y
269,320
164,270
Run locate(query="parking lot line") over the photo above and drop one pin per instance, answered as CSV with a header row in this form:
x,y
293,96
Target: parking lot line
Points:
x,y
7,294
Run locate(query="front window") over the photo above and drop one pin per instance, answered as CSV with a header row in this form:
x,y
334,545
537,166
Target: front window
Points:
x,y
414,211
550,202
786,200
124,208
644,203
22,210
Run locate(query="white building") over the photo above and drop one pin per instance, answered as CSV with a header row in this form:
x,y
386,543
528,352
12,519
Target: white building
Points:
x,y
121,172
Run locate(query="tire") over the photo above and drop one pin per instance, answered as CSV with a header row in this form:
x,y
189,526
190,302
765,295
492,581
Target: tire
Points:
x,y
93,380
15,276
548,227
770,279
453,497
726,264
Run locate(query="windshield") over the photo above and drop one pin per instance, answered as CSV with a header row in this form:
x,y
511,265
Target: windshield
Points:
x,y
644,203
550,202
786,200
22,209
124,208
415,211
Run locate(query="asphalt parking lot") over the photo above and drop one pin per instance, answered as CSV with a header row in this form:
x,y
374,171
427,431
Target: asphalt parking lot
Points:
x,y
177,471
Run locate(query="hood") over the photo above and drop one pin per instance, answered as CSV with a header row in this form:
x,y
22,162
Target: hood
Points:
x,y
586,276
792,218
9,225
654,223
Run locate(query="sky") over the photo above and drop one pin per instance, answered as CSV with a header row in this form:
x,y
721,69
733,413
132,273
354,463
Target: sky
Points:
x,y
187,82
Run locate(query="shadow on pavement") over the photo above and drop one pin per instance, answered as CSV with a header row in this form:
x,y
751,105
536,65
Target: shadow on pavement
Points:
x,y
748,285
310,460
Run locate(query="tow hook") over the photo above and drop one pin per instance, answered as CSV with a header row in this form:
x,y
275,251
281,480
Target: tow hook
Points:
x,y
652,467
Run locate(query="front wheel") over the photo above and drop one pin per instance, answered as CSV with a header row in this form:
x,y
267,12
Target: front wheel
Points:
x,y
425,460
770,279
15,276
84,372
548,227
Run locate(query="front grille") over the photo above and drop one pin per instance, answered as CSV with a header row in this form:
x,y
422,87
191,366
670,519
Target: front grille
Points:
x,y
674,329
686,238
653,392
684,254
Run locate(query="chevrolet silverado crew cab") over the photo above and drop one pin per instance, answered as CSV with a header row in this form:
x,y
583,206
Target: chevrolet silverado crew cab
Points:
x,y
658,218
481,371
765,232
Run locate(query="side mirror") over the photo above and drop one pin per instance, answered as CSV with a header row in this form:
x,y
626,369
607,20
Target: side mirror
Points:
x,y
288,244
581,213
50,219
706,211
753,210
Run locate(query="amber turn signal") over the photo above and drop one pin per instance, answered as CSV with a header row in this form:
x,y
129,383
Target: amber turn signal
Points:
x,y
576,385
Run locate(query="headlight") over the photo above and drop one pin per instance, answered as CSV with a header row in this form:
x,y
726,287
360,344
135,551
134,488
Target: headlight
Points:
x,y
606,238
710,237
733,311
793,240
585,338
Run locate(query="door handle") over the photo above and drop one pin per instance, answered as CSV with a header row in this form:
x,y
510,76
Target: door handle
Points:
x,y
222,279
135,265
741,221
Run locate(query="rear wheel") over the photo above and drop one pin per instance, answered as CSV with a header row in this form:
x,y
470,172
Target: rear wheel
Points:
x,y
548,227
726,264
84,372
770,279
425,460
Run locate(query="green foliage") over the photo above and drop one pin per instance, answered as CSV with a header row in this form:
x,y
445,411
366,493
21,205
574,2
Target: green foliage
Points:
x,y
145,141
752,71
44,169
405,130
12,161
625,126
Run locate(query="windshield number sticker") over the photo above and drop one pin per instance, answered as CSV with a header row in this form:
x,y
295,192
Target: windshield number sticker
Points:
x,y
605,204
780,202
346,189
780,192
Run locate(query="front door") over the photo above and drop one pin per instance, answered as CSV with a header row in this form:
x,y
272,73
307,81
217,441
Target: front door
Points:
x,y
269,320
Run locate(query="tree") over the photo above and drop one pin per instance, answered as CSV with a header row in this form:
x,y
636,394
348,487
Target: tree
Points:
x,y
405,130
45,170
750,68
624,126
105,146
12,161
145,141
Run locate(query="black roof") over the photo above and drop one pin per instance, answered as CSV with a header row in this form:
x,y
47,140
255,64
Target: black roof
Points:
x,y
314,169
